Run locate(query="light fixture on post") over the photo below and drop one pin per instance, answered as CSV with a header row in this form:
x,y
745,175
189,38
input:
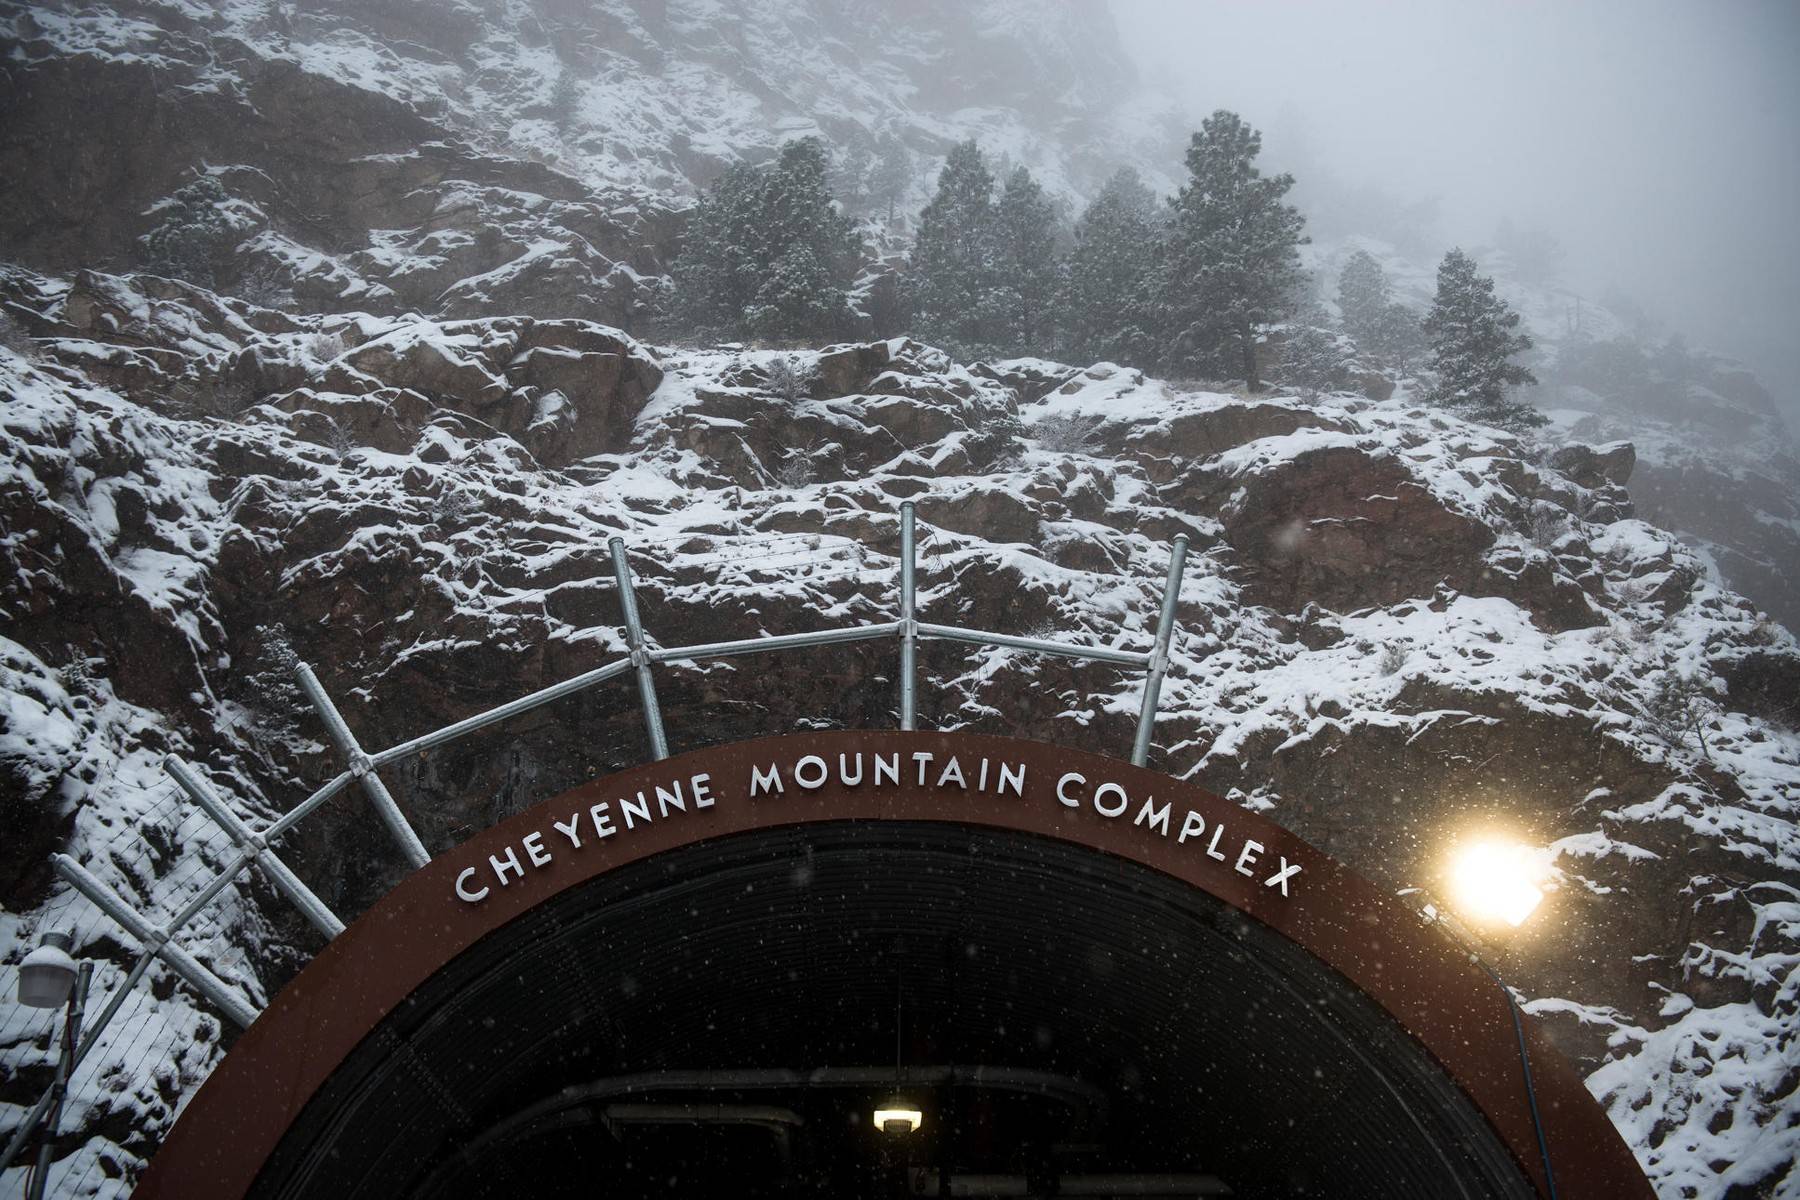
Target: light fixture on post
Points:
x,y
48,973
49,978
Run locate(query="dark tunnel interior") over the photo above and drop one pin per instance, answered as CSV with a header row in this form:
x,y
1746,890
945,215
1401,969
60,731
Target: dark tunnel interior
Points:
x,y
725,1019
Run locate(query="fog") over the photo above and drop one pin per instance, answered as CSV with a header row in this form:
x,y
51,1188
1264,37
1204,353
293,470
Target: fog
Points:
x,y
1659,141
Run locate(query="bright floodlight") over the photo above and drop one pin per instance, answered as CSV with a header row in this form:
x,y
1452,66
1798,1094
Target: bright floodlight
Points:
x,y
898,1119
1496,881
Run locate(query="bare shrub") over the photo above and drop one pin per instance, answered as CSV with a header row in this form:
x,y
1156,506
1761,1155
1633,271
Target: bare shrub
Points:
x,y
452,507
1543,524
1681,706
323,347
1065,433
338,438
787,378
795,470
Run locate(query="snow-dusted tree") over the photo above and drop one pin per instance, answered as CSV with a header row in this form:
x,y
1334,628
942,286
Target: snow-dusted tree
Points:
x,y
812,250
1397,339
1381,327
565,100
767,255
1315,358
850,172
949,275
193,233
1233,258
1363,298
716,274
1474,335
1104,305
1022,293
892,173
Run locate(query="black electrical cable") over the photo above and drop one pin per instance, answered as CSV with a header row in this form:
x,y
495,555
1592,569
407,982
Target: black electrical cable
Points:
x,y
1537,1119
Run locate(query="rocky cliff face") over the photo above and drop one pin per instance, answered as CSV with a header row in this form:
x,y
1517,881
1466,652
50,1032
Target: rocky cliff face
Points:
x,y
455,158
1396,628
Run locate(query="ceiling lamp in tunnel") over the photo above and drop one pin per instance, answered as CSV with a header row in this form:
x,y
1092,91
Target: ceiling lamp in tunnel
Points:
x,y
1495,879
897,1115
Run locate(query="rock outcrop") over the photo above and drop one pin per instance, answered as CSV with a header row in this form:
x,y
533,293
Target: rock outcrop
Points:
x,y
1396,627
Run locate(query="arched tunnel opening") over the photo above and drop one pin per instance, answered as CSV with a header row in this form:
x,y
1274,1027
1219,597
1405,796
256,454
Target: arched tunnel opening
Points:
x,y
725,1018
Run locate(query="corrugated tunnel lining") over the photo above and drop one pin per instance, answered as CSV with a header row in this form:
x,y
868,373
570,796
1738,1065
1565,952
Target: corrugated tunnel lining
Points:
x,y
1221,1046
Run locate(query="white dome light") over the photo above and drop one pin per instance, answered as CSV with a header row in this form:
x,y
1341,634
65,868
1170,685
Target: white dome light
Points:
x,y
47,973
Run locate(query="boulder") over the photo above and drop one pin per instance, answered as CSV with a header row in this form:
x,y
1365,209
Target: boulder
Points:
x,y
846,370
986,512
1595,466
1347,529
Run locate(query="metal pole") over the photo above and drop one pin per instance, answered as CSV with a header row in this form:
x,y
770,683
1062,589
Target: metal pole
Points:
x,y
512,708
285,881
909,627
154,939
1159,657
640,657
780,641
361,768
982,637
89,1037
65,1063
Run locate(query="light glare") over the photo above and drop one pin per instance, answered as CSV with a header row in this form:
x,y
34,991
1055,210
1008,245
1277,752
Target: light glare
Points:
x,y
1497,881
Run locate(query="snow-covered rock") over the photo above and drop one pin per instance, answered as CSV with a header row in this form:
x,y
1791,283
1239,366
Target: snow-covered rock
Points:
x,y
1395,626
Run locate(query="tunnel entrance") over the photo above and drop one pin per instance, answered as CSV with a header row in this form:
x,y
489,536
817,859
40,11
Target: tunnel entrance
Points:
x,y
724,1019
715,996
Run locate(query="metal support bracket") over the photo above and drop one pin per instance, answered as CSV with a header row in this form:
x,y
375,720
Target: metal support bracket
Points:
x,y
640,655
909,625
1159,656
157,941
361,768
286,882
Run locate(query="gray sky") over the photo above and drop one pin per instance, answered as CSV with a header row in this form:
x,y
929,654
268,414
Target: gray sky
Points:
x,y
1658,139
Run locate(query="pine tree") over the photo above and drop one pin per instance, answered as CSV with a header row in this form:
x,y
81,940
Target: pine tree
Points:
x,y
565,101
1314,358
892,173
1022,258
1363,298
1233,261
767,255
1473,338
1397,339
949,277
850,177
193,233
1104,311
716,274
